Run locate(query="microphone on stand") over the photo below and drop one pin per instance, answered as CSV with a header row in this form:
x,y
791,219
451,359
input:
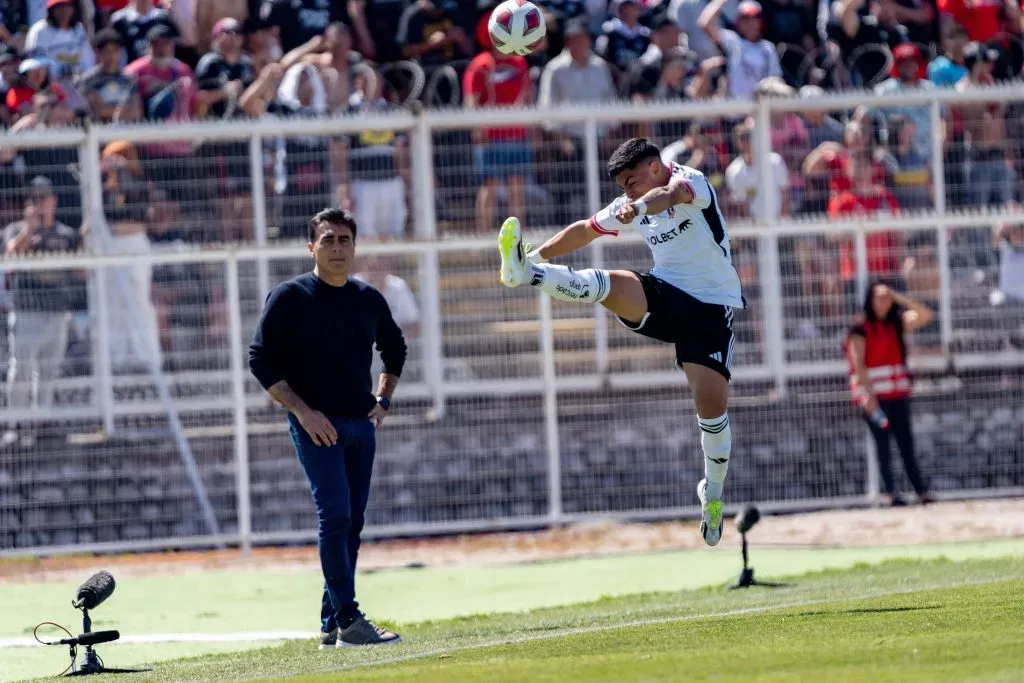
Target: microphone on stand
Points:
x,y
94,591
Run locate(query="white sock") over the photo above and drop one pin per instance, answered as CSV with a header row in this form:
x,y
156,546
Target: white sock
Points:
x,y
564,283
716,441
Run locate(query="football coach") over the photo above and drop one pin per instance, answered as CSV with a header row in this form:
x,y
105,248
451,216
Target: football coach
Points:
x,y
312,353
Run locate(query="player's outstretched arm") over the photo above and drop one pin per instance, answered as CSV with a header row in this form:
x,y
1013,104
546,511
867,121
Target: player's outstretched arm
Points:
x,y
572,238
697,193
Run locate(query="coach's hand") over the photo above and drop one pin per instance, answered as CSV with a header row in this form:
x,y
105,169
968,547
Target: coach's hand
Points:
x,y
319,428
377,415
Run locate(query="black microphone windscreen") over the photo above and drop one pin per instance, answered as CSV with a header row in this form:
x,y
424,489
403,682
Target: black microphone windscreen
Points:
x,y
95,590
97,637
747,519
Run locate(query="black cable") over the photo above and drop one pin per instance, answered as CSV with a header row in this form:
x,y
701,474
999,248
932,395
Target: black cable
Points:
x,y
74,650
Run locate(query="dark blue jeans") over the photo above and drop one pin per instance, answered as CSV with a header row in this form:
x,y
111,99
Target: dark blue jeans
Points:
x,y
339,477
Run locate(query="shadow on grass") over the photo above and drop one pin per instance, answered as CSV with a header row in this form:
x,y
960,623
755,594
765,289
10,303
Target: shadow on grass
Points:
x,y
870,610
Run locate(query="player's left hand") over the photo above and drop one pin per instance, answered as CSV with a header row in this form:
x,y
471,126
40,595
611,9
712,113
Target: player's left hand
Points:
x,y
377,415
626,213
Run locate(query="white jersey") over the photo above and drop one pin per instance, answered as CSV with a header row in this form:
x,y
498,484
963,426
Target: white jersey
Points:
x,y
688,241
67,50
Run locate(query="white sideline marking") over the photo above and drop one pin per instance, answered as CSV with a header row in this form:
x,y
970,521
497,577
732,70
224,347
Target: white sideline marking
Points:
x,y
583,630
152,638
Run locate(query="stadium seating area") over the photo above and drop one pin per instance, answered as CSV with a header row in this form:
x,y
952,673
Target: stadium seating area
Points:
x,y
643,457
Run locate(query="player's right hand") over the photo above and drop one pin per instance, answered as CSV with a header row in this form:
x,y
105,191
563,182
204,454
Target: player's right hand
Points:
x,y
319,428
626,213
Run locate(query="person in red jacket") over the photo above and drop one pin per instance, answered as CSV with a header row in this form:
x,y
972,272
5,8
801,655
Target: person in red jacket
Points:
x,y
864,198
876,353
501,156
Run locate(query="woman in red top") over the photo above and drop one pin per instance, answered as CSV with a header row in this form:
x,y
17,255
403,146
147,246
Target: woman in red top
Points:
x,y
876,352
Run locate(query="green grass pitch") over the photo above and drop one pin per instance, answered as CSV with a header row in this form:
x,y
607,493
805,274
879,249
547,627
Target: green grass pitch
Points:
x,y
904,620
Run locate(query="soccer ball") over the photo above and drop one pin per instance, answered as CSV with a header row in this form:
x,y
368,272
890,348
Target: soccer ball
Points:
x,y
516,27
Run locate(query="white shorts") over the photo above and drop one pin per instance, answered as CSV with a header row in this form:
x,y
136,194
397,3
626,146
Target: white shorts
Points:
x,y
380,209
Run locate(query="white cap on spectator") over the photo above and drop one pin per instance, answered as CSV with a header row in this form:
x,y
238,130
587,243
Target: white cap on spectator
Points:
x,y
31,64
811,91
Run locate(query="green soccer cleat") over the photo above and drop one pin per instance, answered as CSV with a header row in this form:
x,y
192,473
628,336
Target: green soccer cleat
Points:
x,y
514,265
711,515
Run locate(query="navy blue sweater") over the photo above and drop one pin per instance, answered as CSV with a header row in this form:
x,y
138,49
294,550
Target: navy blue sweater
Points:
x,y
320,339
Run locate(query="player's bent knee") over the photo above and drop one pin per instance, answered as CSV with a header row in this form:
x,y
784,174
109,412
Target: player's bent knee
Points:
x,y
626,297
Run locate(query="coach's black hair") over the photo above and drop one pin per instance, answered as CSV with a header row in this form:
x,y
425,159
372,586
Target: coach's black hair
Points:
x,y
630,153
331,217
894,317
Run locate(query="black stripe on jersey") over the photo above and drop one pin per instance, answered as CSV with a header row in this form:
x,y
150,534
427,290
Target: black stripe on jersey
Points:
x,y
714,219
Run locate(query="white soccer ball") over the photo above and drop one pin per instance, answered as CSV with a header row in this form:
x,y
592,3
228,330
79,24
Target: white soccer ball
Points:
x,y
516,27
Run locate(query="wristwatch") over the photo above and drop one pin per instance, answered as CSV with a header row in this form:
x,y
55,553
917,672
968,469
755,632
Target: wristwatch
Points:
x,y
384,402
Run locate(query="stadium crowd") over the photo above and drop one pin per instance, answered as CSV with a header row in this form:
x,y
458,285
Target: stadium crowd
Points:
x,y
172,60
63,62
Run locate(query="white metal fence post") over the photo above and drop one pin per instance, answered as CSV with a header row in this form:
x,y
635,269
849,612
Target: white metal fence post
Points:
x,y
99,307
259,211
769,268
242,493
547,343
592,163
861,256
938,164
871,464
860,246
430,266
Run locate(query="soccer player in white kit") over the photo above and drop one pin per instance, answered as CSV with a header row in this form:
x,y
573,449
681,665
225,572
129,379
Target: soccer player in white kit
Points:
x,y
687,298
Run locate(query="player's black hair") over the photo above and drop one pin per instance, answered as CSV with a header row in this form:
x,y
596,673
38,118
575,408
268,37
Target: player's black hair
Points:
x,y
894,317
630,154
331,217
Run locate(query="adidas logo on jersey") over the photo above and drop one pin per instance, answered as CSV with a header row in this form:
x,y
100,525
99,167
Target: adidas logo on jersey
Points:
x,y
646,220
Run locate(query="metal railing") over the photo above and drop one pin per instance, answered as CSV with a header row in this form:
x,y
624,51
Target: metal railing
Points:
x,y
775,374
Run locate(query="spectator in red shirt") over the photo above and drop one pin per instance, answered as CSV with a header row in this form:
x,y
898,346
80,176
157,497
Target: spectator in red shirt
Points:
x,y
168,89
827,167
500,154
989,21
34,77
983,19
866,198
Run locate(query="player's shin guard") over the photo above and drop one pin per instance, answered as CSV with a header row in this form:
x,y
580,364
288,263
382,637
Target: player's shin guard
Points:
x,y
716,442
589,285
